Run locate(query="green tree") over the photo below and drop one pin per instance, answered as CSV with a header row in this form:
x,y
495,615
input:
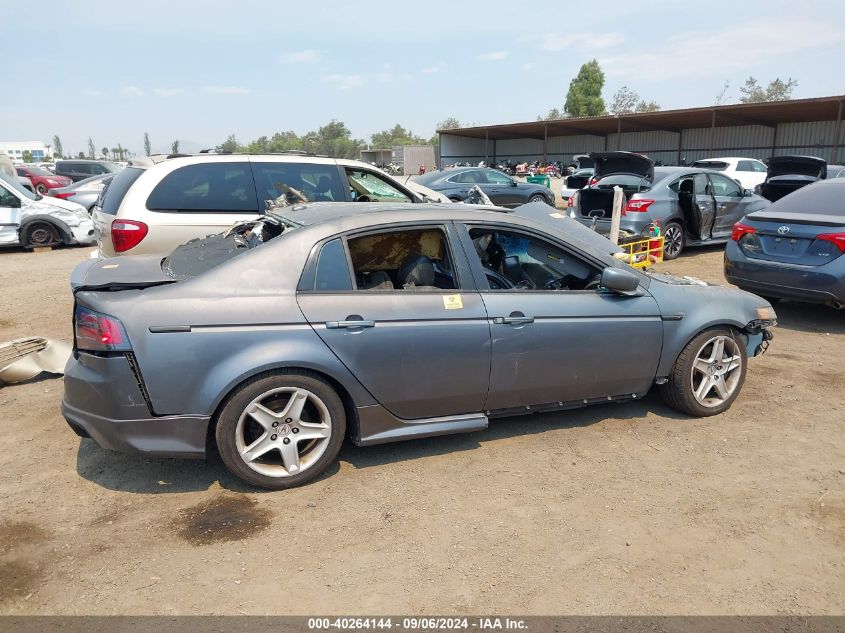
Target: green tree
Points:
x,y
91,148
722,98
174,147
147,145
105,151
553,115
333,139
118,152
449,123
81,155
777,90
584,96
26,155
397,135
229,145
57,146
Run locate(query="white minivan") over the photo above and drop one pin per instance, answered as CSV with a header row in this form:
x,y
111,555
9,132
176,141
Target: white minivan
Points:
x,y
159,202
29,219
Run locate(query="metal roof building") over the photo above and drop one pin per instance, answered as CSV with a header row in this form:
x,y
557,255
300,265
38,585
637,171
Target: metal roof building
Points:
x,y
756,130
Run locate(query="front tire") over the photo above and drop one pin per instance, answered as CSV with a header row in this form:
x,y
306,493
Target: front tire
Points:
x,y
538,198
673,240
708,374
39,234
280,430
40,188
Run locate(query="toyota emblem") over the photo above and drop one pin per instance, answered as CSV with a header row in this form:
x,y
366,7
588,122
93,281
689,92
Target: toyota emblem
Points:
x,y
783,230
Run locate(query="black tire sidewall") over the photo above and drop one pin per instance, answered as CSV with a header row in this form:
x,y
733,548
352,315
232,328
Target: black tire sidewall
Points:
x,y
231,411
27,233
678,392
538,197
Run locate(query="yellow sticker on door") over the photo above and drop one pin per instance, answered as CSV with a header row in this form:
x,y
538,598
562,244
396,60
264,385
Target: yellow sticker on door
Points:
x,y
452,302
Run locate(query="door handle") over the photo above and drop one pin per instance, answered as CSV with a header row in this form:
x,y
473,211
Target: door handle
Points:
x,y
355,323
513,320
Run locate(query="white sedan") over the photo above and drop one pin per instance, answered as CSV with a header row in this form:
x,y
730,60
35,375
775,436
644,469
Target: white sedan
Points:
x,y
749,172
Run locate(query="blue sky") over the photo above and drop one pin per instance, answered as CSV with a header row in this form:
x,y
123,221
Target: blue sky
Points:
x,y
199,71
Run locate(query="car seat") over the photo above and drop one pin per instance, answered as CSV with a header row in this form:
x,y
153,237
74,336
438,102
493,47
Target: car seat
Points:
x,y
417,271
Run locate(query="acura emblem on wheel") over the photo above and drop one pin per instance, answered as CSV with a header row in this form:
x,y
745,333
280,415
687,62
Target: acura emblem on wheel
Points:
x,y
783,230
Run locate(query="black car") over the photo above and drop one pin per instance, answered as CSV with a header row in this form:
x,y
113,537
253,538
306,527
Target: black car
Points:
x,y
81,169
786,174
502,190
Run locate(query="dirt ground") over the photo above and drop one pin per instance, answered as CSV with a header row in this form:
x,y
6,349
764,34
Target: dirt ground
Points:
x,y
618,509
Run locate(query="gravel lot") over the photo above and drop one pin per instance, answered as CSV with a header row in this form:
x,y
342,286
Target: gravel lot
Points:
x,y
617,509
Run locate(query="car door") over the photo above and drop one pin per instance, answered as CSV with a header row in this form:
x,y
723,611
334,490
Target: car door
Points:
x,y
459,184
501,189
558,347
705,205
10,216
727,194
397,306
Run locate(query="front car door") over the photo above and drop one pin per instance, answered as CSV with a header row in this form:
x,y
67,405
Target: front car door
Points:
x,y
502,189
727,194
705,205
558,338
397,306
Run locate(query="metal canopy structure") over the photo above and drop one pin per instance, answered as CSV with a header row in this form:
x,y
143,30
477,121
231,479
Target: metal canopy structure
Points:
x,y
768,114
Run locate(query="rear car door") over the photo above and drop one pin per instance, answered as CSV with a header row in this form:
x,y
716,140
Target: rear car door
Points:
x,y
557,337
398,307
10,216
727,194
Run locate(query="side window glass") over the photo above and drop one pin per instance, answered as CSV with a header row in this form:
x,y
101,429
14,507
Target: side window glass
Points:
x,y
332,268
411,259
725,187
497,178
6,198
223,187
518,262
743,165
367,186
758,166
285,183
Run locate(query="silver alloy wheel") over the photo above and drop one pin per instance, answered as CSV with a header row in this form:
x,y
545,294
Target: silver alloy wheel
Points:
x,y
716,371
673,240
537,198
283,431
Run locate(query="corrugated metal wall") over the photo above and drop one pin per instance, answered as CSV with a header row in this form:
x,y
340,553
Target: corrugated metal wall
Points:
x,y
412,156
753,141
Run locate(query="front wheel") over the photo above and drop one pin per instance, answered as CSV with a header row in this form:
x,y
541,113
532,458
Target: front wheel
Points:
x,y
280,430
673,240
708,374
39,234
40,188
538,198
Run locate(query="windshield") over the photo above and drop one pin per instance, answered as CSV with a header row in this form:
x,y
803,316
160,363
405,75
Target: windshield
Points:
x,y
14,184
38,171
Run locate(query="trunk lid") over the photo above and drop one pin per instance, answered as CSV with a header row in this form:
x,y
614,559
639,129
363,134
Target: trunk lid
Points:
x,y
584,161
783,236
124,273
607,163
796,166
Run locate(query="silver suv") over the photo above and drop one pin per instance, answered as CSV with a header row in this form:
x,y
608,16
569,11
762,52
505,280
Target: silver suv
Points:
x,y
160,202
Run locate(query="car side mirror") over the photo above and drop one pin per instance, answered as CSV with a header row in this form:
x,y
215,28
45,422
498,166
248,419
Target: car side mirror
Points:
x,y
747,193
514,183
619,280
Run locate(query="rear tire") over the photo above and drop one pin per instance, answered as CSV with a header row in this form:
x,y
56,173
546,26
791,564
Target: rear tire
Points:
x,y
280,430
39,234
673,240
538,198
40,188
708,374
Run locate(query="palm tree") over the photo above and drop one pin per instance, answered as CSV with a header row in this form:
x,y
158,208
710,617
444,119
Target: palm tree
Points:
x,y
105,151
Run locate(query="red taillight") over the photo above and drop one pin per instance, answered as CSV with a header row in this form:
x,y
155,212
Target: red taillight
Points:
x,y
837,238
637,206
64,195
126,234
741,229
593,181
99,332
570,203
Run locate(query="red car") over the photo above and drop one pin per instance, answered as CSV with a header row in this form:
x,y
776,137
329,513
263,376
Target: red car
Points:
x,y
42,179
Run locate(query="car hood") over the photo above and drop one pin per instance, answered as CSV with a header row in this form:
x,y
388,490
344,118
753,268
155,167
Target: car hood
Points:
x,y
607,163
71,214
67,205
796,166
422,190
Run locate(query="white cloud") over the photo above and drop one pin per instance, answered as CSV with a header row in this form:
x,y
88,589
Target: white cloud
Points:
x,y
132,91
581,41
300,57
167,92
494,56
436,68
385,77
344,82
740,48
92,93
226,90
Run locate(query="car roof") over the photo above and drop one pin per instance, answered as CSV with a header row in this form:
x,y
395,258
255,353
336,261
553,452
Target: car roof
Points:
x,y
314,213
727,158
145,162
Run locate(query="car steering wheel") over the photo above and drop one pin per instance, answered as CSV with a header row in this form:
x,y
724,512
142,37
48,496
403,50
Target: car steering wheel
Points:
x,y
556,283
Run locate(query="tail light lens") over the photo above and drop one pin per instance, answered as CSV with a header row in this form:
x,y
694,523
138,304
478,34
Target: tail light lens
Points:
x,y
637,206
741,229
64,195
570,203
96,332
593,181
126,234
838,239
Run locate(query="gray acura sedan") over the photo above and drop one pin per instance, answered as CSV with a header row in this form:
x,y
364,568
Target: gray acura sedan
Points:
x,y
503,190
384,322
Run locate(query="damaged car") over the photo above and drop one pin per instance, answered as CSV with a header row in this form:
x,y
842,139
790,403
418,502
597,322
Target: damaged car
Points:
x,y
29,219
691,206
785,174
279,339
